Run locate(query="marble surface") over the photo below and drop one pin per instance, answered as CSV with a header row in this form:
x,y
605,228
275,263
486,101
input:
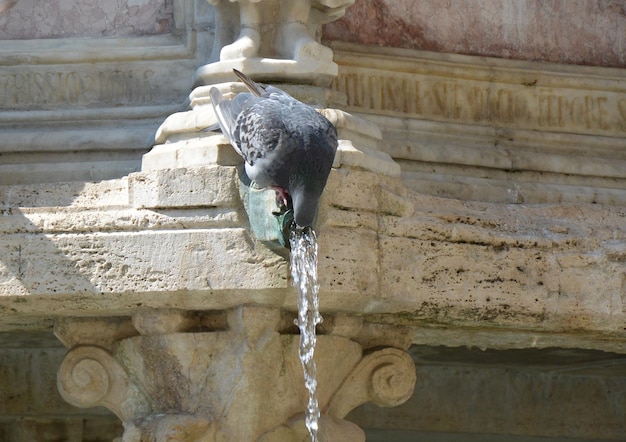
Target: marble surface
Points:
x,y
99,63
31,19
583,32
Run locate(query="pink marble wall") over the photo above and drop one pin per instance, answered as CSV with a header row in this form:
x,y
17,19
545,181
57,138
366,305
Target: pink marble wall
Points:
x,y
30,19
588,32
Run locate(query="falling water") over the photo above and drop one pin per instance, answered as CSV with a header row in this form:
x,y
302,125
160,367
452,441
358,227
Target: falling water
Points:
x,y
304,272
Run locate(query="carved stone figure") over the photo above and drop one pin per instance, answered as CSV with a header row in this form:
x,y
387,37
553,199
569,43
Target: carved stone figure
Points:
x,y
285,30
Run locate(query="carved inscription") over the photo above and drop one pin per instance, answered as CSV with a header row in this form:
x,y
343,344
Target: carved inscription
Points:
x,y
473,101
621,105
50,88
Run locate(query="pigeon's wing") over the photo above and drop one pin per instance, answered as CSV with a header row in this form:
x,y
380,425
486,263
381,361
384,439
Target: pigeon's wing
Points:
x,y
227,112
224,113
261,132
274,91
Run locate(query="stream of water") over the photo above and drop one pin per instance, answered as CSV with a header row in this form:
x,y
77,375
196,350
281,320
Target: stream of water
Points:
x,y
304,272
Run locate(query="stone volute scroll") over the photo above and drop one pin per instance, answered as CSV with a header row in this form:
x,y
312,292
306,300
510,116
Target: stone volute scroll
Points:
x,y
385,377
90,374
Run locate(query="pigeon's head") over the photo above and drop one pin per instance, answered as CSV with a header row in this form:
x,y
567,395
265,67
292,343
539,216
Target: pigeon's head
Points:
x,y
305,207
309,178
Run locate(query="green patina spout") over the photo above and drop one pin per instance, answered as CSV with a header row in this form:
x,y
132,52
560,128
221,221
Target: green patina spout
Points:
x,y
269,222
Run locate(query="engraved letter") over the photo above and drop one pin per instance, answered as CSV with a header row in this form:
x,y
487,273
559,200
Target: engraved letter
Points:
x,y
73,86
621,105
602,122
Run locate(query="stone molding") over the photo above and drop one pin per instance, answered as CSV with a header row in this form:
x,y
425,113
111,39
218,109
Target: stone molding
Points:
x,y
99,72
485,91
120,89
231,375
490,129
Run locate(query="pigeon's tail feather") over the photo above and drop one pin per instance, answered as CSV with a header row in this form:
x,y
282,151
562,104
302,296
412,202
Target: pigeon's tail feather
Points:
x,y
226,116
256,89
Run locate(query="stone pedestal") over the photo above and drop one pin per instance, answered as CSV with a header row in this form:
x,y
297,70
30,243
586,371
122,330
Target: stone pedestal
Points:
x,y
272,40
223,376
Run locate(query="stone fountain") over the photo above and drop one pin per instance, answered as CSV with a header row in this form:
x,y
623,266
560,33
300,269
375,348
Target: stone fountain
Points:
x,y
228,369
498,225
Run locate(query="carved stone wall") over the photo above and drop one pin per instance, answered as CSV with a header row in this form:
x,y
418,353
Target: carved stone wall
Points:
x,y
82,96
493,130
497,225
485,129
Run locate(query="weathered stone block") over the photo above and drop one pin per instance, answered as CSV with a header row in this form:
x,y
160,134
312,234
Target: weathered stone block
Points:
x,y
175,188
348,275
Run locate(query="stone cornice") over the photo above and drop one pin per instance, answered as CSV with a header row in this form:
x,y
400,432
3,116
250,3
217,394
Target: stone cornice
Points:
x,y
400,258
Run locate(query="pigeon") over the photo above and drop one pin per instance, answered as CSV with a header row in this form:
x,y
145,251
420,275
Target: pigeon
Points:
x,y
287,145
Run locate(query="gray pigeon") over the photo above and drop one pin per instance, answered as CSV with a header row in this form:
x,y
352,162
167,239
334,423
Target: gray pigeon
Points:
x,y
286,144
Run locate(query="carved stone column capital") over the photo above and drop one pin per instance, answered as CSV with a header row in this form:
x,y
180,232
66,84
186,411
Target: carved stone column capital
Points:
x,y
230,375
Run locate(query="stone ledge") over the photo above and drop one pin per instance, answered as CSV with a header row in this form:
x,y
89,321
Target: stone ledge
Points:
x,y
383,250
211,186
